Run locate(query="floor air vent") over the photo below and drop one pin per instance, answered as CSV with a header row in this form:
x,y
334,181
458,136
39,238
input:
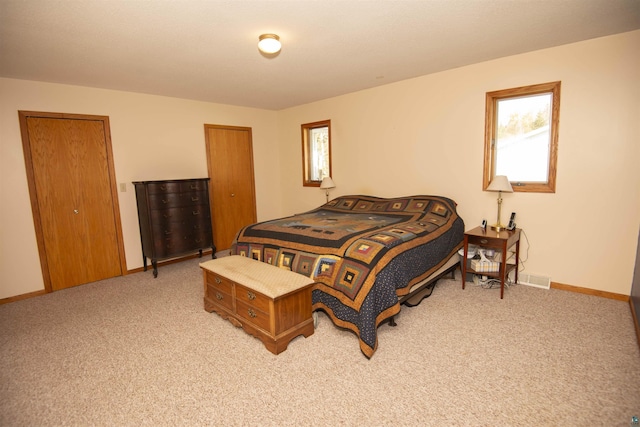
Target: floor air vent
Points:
x,y
534,280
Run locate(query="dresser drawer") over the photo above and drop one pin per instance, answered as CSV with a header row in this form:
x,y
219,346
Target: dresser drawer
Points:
x,y
190,186
202,238
194,198
253,298
200,230
164,200
198,214
173,200
251,314
163,187
175,244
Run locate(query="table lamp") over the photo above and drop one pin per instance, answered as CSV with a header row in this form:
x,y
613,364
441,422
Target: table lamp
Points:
x,y
500,183
326,184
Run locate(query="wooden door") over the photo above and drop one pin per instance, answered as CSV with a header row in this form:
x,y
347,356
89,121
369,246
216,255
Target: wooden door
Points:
x,y
73,197
232,189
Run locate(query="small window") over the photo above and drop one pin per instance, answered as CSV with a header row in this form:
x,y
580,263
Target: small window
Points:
x,y
521,137
316,152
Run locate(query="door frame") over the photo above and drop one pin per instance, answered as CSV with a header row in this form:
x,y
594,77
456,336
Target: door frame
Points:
x,y
37,220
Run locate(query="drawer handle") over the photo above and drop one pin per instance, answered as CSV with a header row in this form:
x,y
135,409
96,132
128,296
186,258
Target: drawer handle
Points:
x,y
167,232
165,201
194,186
195,199
219,296
251,296
163,187
484,241
196,212
252,313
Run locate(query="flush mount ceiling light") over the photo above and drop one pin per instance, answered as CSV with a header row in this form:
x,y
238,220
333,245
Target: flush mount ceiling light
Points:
x,y
269,43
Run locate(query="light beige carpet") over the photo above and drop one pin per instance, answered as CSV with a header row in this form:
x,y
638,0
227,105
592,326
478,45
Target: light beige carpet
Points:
x,y
135,351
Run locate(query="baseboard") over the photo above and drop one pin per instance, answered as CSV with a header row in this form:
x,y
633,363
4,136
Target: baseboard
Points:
x,y
588,291
171,261
636,320
23,296
135,270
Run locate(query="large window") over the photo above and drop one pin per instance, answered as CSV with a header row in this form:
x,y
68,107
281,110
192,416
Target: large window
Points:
x,y
316,152
521,137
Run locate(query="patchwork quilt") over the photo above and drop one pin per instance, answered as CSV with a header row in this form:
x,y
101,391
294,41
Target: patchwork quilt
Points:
x,y
363,252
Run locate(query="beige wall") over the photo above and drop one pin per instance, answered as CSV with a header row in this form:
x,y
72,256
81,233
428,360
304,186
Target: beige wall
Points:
x,y
423,135
152,137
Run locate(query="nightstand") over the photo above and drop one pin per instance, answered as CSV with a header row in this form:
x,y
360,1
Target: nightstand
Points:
x,y
499,241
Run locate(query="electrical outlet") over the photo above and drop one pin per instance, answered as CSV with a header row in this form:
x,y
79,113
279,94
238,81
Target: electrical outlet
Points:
x,y
123,187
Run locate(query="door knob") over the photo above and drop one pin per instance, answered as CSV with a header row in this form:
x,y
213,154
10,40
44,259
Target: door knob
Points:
x,y
76,211
233,194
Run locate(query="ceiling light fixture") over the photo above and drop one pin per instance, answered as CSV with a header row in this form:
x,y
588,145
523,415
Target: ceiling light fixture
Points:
x,y
269,43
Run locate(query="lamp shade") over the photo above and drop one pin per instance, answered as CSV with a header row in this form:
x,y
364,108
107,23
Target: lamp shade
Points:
x,y
327,183
500,183
269,43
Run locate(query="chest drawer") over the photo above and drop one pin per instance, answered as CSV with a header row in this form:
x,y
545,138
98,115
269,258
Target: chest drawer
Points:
x,y
253,315
219,282
220,290
253,298
219,297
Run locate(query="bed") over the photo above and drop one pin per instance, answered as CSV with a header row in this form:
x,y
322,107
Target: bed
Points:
x,y
366,254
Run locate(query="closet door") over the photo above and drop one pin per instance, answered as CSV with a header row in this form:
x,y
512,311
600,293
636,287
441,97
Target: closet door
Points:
x,y
73,197
232,188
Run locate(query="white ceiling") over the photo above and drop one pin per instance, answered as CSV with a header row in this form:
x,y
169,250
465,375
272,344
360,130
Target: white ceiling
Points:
x,y
207,49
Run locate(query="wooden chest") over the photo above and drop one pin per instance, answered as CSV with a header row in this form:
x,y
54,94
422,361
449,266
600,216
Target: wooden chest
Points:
x,y
174,218
272,304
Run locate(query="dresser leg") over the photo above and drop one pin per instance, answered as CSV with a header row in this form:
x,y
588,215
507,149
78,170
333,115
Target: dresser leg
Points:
x,y
213,252
155,268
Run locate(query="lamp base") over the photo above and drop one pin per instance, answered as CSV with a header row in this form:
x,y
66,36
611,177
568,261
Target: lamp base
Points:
x,y
498,227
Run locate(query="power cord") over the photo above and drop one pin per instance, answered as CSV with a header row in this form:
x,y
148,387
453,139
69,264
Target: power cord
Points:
x,y
522,259
488,283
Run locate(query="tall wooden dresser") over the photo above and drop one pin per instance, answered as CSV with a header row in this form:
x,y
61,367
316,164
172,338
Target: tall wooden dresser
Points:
x,y
174,218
